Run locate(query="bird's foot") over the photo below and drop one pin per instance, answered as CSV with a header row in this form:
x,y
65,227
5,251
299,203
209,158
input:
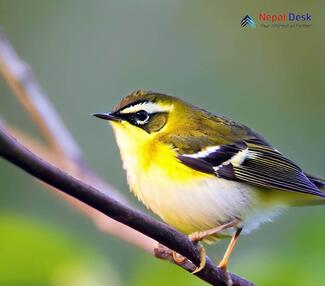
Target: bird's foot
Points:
x,y
201,235
179,259
202,259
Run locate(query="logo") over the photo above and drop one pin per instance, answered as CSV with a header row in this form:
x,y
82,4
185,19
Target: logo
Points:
x,y
285,20
248,21
284,17
281,20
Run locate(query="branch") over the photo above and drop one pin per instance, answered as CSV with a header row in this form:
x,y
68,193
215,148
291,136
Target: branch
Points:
x,y
17,154
101,221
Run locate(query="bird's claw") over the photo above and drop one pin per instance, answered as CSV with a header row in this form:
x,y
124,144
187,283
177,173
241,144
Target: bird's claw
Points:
x,y
202,260
179,259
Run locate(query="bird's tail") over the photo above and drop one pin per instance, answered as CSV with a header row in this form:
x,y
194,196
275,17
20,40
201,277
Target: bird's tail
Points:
x,y
319,183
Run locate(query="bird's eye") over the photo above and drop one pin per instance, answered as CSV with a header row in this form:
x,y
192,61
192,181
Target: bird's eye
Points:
x,y
142,117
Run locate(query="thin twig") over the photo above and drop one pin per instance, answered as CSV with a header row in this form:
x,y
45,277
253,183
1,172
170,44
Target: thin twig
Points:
x,y
14,152
21,80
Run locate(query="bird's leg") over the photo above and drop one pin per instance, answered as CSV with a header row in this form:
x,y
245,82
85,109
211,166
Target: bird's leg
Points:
x,y
196,237
200,235
224,262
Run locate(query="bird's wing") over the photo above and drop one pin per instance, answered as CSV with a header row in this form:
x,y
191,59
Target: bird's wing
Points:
x,y
251,160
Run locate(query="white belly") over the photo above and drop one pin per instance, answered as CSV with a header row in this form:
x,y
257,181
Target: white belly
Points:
x,y
202,204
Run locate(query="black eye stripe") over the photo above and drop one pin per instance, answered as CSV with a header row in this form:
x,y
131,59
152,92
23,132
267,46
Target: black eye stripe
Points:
x,y
138,118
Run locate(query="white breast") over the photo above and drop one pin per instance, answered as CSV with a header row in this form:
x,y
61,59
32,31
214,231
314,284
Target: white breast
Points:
x,y
202,204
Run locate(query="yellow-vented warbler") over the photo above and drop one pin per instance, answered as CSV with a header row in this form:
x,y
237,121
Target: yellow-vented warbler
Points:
x,y
206,175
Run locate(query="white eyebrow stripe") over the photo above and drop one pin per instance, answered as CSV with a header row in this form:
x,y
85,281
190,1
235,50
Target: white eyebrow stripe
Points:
x,y
149,107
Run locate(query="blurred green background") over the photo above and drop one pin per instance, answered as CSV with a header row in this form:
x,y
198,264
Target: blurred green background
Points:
x,y
89,54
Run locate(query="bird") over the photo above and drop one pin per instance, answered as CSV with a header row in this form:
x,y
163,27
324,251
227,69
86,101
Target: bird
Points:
x,y
206,175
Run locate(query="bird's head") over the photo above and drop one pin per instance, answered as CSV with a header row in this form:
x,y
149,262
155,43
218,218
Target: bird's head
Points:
x,y
144,118
145,113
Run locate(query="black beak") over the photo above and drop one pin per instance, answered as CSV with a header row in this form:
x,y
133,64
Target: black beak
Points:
x,y
107,116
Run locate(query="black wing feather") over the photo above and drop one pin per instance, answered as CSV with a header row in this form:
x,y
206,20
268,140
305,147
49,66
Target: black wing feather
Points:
x,y
263,166
197,164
